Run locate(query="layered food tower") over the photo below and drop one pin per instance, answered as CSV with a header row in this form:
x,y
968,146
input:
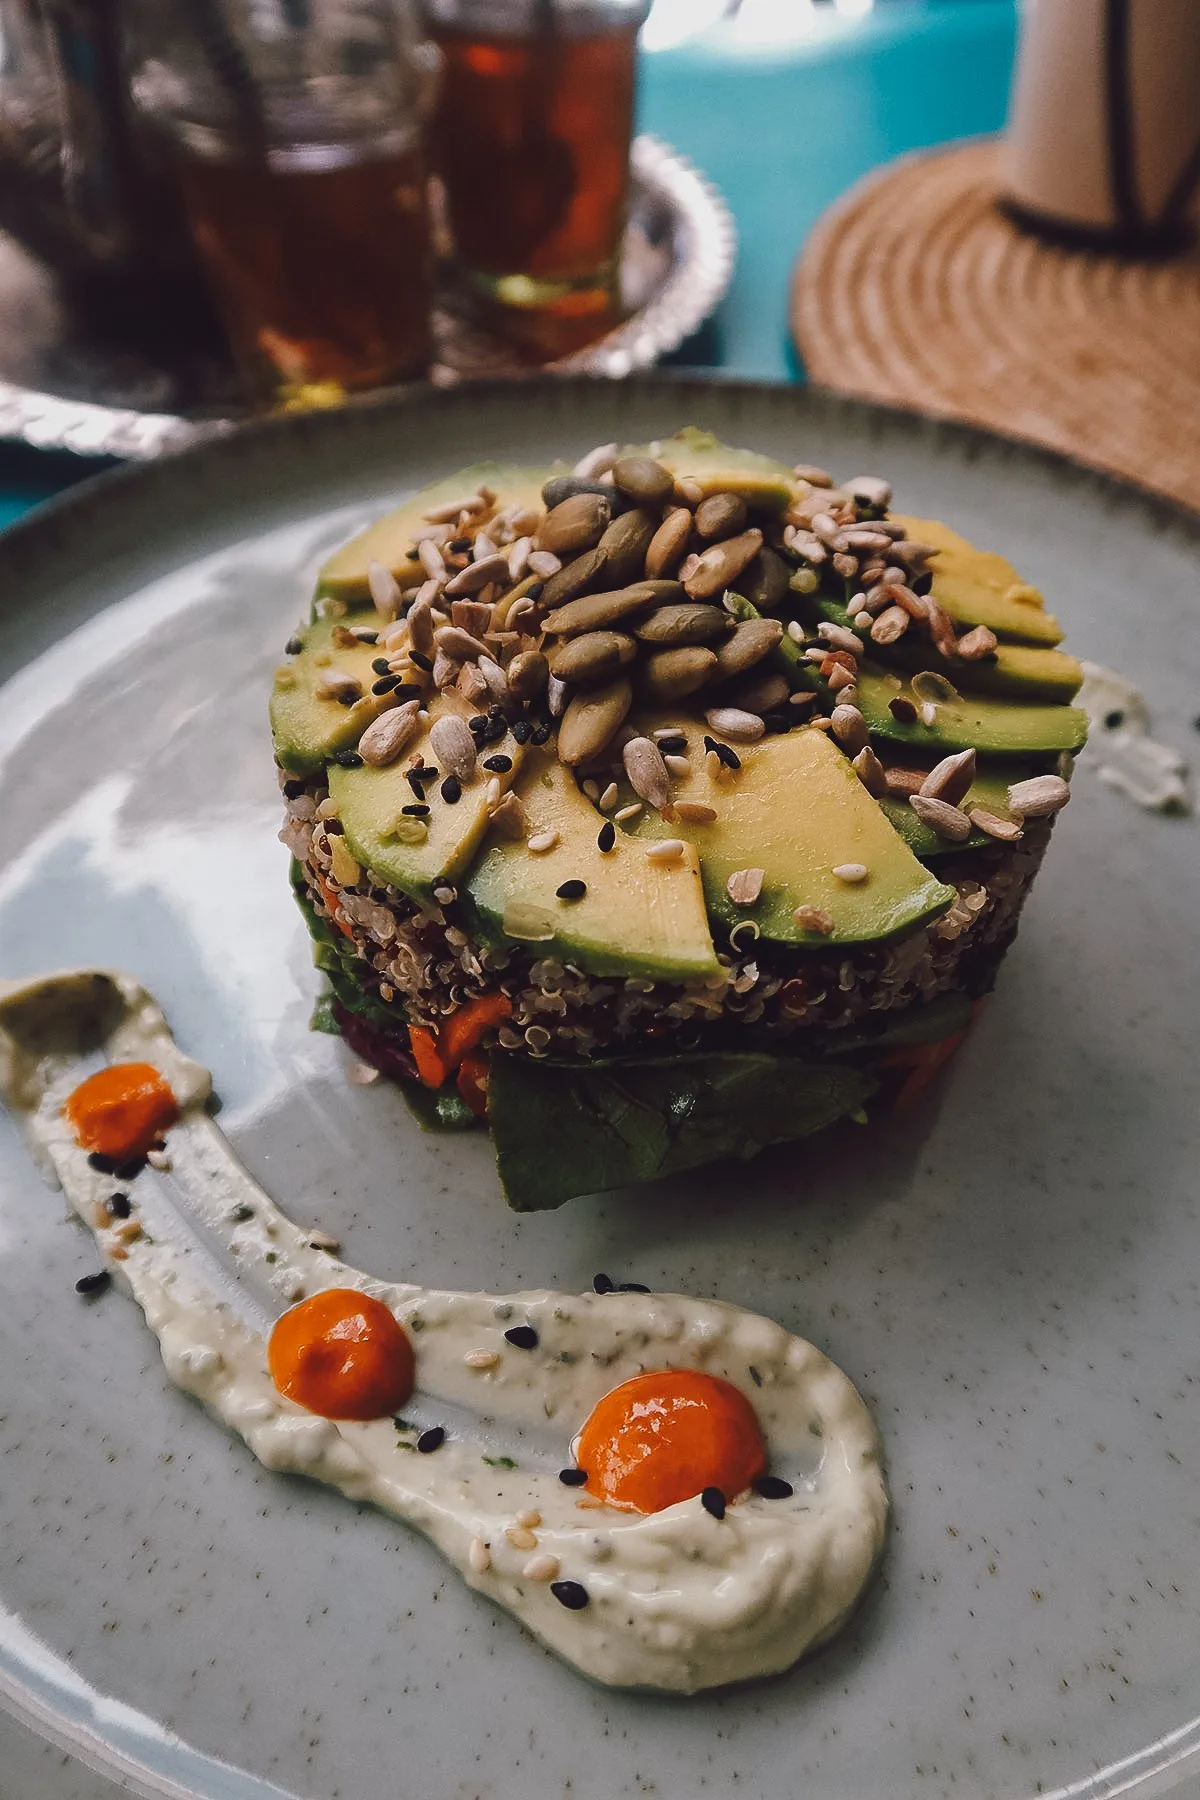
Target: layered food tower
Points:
x,y
668,805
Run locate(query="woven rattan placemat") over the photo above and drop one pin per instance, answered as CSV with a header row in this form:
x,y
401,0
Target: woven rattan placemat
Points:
x,y
916,289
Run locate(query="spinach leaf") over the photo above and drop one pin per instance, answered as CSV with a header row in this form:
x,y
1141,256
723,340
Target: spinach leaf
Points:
x,y
562,1130
438,1109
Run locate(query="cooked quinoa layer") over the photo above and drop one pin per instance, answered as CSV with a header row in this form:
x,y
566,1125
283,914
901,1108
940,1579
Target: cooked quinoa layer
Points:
x,y
425,964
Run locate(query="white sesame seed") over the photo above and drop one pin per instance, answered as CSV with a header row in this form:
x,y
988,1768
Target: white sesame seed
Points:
x,y
609,797
592,790
542,841
158,1159
628,812
667,850
321,1240
795,631
479,1556
851,872
481,1359
928,713
679,766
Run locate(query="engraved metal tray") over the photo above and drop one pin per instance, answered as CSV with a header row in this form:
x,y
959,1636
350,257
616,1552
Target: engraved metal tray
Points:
x,y
66,384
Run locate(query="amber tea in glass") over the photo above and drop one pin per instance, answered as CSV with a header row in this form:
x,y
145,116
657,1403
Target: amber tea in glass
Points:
x,y
532,145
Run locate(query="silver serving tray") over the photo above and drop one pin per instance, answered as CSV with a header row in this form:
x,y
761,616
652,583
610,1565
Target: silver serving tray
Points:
x,y
64,387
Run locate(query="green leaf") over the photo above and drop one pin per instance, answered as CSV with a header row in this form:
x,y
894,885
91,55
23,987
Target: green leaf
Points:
x,y
321,1018
438,1109
562,1130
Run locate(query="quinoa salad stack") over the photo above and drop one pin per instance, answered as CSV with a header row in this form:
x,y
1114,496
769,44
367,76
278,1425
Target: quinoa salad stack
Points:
x,y
676,801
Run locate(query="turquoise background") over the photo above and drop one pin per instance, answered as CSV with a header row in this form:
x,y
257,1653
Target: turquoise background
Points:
x,y
782,130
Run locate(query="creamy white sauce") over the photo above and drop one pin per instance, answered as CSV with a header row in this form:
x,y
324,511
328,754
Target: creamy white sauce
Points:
x,y
678,1600
1126,757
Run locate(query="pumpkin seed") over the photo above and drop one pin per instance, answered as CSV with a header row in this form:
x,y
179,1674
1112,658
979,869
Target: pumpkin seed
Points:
x,y
764,581
591,611
721,516
595,656
751,641
721,564
644,480
686,622
669,543
625,543
573,525
574,578
669,675
592,719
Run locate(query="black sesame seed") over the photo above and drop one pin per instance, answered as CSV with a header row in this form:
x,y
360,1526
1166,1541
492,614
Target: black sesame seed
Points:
x,y
103,1165
1113,721
418,810
571,1594
366,637
710,743
540,734
348,699
672,746
414,556
415,777
348,759
380,665
521,731
534,592
921,584
498,765
773,1487
572,1477
433,1439
522,1337
93,1284
606,837
293,647
602,1284
241,1213
422,661
334,828
407,691
292,790
572,890
458,545
497,728
755,1375
632,1287
777,721
385,684
451,790
478,722
713,1501
495,711
119,1205
129,1171
729,756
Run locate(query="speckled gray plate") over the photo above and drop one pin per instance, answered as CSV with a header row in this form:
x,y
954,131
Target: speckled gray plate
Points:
x,y
1012,1278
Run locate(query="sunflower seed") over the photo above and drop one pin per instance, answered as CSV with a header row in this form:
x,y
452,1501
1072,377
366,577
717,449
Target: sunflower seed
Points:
x,y
941,817
669,542
839,638
870,489
844,565
384,589
458,644
849,728
595,462
544,563
977,644
431,560
813,918
384,739
903,782
891,624
591,720
337,684
839,678
745,886
814,476
449,510
1006,831
805,544
518,557
941,630
732,722
950,779
476,575
667,851
1039,797
870,771
557,696
693,812
453,745
647,771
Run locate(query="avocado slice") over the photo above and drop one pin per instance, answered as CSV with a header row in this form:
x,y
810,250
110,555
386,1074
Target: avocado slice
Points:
x,y
988,790
764,484
389,539
993,725
411,854
977,587
309,729
1026,671
635,918
797,810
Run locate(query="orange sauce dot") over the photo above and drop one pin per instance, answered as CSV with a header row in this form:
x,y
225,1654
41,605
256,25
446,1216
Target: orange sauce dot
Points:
x,y
662,1438
343,1355
121,1111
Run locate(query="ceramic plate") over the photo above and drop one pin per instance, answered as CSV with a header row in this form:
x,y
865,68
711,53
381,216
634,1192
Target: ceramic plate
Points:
x,y
1011,1278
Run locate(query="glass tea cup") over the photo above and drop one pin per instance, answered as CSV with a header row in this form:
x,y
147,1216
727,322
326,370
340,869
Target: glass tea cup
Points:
x,y
297,139
531,143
